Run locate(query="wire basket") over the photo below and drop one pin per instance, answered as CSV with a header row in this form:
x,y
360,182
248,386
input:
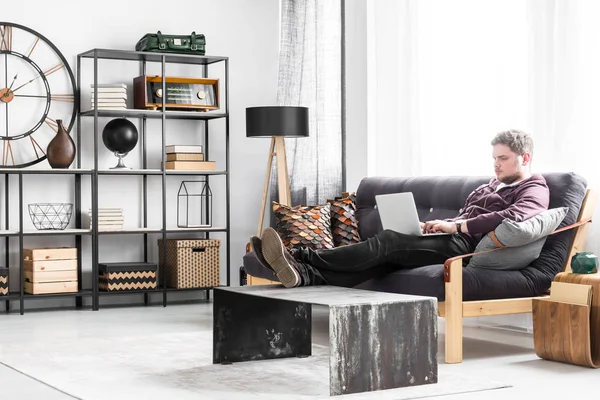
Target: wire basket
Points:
x,y
50,216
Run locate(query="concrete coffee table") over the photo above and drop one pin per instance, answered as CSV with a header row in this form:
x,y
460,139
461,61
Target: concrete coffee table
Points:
x,y
376,340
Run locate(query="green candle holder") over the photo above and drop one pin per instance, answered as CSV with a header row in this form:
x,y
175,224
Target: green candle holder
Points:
x,y
584,263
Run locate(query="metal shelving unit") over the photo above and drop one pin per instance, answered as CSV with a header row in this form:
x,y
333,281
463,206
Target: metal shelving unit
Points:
x,y
21,233
95,173
142,58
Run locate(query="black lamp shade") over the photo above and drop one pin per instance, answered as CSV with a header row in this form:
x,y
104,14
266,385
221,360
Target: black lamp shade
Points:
x,y
277,121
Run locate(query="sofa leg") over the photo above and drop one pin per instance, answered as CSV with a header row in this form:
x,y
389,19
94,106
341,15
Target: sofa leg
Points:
x,y
454,313
454,340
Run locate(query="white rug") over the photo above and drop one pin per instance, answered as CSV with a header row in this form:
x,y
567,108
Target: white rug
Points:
x,y
175,361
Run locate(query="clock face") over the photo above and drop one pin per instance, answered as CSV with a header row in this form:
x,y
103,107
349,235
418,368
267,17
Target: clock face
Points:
x,y
37,88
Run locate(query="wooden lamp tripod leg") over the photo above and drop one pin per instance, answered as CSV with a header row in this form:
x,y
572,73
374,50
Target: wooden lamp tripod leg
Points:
x,y
266,189
283,179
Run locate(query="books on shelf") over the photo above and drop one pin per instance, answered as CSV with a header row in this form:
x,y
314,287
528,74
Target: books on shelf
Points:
x,y
191,165
110,96
187,157
109,219
183,148
110,87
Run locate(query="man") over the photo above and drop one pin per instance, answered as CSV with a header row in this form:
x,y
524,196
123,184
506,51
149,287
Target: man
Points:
x,y
515,194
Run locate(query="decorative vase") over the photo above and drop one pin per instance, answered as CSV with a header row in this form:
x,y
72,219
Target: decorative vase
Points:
x,y
61,149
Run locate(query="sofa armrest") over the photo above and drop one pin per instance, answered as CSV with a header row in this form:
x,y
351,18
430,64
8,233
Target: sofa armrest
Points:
x,y
453,301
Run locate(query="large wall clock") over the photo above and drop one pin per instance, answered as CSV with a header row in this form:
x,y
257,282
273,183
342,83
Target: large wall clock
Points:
x,y
37,88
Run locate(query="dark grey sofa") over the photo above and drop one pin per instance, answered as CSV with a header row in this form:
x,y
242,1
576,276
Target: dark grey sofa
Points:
x,y
442,197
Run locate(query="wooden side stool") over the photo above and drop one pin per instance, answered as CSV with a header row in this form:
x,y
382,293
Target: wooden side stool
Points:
x,y
567,332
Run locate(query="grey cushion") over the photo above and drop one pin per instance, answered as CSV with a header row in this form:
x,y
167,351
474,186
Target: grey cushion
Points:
x,y
523,240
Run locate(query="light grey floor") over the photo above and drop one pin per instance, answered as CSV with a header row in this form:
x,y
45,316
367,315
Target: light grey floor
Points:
x,y
489,354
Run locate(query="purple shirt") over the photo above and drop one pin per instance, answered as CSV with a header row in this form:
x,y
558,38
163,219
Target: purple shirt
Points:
x,y
485,208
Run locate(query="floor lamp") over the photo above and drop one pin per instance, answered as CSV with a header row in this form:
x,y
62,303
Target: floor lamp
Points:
x,y
276,122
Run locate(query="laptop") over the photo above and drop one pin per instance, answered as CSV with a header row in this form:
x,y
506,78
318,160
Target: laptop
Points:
x,y
398,212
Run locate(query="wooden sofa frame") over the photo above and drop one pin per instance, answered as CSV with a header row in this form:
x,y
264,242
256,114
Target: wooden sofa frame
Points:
x,y
454,309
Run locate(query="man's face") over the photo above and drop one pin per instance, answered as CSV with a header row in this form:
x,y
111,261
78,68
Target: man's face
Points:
x,y
508,166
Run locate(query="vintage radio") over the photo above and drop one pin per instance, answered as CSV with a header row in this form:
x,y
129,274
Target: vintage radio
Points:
x,y
195,94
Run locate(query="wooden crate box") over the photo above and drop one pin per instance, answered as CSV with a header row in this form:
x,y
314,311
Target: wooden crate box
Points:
x,y
50,253
191,263
126,276
50,270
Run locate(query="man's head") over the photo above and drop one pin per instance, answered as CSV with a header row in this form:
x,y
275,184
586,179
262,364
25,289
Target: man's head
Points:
x,y
512,152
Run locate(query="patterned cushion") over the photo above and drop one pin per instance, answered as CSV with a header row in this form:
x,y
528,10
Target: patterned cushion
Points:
x,y
344,225
304,226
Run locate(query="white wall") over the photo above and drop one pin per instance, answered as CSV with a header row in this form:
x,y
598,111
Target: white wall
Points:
x,y
356,93
245,31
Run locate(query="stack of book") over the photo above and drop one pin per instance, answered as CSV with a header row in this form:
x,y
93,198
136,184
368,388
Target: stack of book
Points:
x,y
111,96
187,157
109,219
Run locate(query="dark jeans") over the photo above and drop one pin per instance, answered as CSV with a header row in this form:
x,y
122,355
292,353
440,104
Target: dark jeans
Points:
x,y
385,252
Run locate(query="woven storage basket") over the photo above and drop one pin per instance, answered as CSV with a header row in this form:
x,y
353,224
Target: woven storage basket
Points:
x,y
191,263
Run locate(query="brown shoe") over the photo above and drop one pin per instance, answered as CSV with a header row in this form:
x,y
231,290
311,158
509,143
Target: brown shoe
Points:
x,y
275,254
256,246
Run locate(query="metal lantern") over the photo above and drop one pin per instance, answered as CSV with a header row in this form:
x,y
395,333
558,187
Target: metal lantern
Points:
x,y
194,205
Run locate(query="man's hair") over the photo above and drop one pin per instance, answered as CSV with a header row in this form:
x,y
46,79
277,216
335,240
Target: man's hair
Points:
x,y
518,141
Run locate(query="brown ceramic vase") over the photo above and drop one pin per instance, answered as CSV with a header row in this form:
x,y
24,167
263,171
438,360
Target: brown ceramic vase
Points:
x,y
61,149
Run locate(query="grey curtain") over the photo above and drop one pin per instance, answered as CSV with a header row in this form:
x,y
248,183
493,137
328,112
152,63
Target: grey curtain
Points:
x,y
310,75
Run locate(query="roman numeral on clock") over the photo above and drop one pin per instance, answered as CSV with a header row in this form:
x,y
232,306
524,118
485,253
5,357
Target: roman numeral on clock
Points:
x,y
6,38
52,124
52,70
36,146
66,98
6,151
33,47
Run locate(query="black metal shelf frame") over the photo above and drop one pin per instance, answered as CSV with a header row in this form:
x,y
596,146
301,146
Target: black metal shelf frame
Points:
x,y
143,58
20,234
94,173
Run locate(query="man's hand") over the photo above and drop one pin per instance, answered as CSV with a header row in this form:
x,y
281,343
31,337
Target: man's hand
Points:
x,y
438,226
